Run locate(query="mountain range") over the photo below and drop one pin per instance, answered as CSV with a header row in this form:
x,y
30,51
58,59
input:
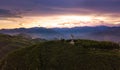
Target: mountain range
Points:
x,y
95,33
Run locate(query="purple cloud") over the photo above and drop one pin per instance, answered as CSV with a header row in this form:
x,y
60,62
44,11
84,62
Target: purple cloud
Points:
x,y
48,6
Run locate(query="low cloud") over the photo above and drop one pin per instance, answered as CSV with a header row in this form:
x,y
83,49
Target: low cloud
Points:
x,y
8,14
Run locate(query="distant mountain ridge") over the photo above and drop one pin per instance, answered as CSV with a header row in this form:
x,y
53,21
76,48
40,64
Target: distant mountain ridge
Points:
x,y
97,33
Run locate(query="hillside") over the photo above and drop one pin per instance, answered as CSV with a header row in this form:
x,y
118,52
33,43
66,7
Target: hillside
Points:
x,y
61,55
9,43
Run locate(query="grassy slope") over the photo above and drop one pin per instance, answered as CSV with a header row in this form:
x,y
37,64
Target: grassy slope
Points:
x,y
9,43
57,55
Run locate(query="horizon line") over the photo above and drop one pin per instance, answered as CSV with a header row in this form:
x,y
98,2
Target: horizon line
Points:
x,y
58,27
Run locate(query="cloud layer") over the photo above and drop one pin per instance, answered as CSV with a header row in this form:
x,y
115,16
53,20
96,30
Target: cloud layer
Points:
x,y
63,6
108,10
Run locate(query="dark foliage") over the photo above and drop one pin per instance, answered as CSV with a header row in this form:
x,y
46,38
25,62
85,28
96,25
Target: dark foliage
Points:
x,y
9,43
58,55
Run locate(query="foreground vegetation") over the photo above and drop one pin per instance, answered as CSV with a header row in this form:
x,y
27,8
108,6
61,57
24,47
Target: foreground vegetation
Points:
x,y
61,55
9,43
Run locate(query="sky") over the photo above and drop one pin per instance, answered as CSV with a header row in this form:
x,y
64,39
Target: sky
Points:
x,y
58,13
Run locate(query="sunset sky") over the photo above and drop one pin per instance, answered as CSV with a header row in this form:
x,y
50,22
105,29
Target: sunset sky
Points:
x,y
58,13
